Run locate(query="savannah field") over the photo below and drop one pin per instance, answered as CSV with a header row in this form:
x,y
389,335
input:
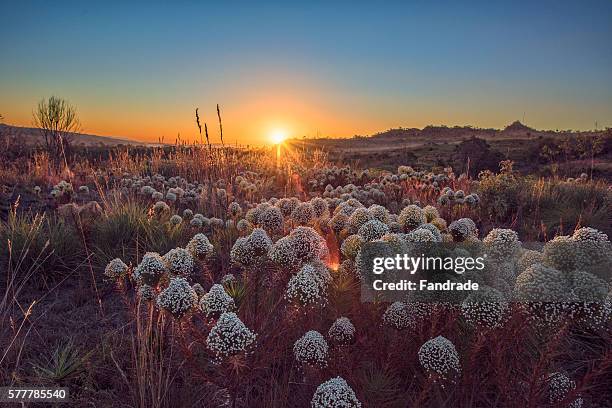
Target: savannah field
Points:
x,y
199,275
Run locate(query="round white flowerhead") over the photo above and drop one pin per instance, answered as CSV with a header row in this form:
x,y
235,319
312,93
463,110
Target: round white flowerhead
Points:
x,y
342,331
420,235
309,286
529,258
559,385
179,261
234,209
178,298
357,218
283,253
320,207
311,349
439,356
411,217
540,283
373,230
308,245
250,250
335,393
200,247
485,308
560,253
196,222
161,207
216,301
271,219
229,336
430,212
175,219
303,214
398,316
351,245
150,269
463,229
115,269
502,243
593,250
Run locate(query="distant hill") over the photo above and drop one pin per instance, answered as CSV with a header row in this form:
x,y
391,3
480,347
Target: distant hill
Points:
x,y
517,126
433,133
29,135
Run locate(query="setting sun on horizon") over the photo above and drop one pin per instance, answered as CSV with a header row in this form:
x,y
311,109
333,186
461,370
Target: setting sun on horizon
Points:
x,y
263,64
278,136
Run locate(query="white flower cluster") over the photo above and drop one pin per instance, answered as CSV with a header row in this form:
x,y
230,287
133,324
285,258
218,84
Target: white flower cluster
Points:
x,y
179,261
271,219
161,207
216,301
485,308
303,214
335,393
502,243
309,286
200,247
311,349
373,230
351,245
234,209
302,245
229,336
431,213
462,229
251,249
398,316
178,298
115,269
439,356
593,249
244,227
150,269
358,216
450,197
320,207
435,232
287,205
175,220
420,235
559,385
529,258
342,331
560,253
540,283
411,217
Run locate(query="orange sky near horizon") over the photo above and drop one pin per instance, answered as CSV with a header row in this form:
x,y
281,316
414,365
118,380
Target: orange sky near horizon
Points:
x,y
309,69
253,119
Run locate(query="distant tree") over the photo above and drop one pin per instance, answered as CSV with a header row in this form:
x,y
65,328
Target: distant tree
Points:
x,y
58,121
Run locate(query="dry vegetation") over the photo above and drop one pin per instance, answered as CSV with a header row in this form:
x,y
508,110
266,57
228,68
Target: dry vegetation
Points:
x,y
187,275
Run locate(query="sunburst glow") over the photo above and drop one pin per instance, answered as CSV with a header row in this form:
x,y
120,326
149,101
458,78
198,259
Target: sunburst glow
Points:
x,y
278,136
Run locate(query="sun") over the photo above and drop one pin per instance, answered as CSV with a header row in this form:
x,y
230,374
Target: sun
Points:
x,y
278,136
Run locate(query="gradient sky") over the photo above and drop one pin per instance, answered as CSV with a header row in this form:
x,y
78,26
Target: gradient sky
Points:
x,y
139,70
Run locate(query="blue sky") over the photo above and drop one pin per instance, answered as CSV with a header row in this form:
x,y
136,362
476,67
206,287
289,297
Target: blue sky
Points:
x,y
330,68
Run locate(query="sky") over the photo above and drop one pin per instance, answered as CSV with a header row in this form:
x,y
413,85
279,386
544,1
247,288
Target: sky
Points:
x,y
317,68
